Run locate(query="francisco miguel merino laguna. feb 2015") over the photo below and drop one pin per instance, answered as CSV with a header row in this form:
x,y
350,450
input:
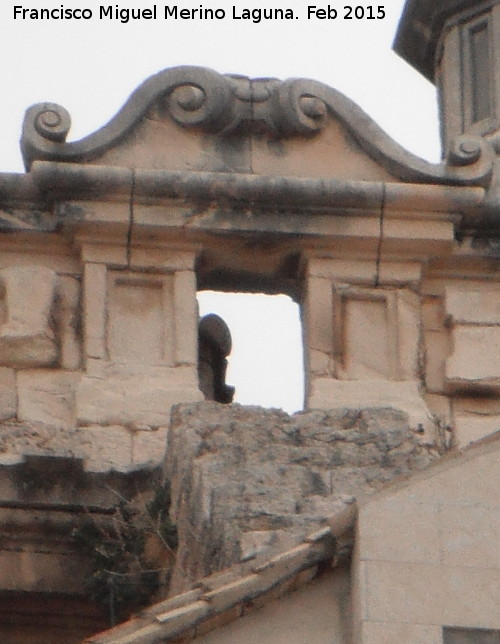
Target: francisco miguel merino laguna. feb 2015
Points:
x,y
167,12
174,12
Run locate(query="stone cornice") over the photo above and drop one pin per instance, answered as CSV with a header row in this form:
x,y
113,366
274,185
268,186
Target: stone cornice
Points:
x,y
65,181
237,106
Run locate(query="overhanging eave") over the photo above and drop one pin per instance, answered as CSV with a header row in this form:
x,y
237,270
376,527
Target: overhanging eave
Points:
x,y
420,28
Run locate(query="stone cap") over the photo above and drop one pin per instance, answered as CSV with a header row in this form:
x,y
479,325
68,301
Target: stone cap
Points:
x,y
200,104
420,27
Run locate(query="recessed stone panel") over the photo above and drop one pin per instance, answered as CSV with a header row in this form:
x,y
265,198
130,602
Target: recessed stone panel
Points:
x,y
139,320
366,339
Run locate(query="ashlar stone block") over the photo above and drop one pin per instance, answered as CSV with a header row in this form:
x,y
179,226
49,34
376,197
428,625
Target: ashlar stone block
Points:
x,y
135,398
437,350
475,482
475,361
47,396
470,428
105,448
444,595
27,338
139,318
148,447
413,534
319,315
94,300
477,405
367,355
473,304
326,393
433,315
469,536
40,572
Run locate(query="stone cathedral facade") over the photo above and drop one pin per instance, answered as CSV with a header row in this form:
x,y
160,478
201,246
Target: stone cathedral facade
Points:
x,y
389,532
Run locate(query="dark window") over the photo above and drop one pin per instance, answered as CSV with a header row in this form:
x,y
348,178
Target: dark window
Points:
x,y
470,636
480,72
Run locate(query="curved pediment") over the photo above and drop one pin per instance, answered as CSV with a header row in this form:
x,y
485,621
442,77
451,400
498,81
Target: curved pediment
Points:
x,y
194,119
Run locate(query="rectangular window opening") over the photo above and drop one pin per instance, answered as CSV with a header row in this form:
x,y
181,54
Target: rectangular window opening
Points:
x,y
480,71
265,365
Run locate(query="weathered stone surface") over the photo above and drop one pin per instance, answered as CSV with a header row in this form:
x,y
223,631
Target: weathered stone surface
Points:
x,y
20,438
101,448
470,428
47,396
105,448
8,393
27,338
246,480
137,397
478,303
475,361
68,291
148,447
403,395
437,350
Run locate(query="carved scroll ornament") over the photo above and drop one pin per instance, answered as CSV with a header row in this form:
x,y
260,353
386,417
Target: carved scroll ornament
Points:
x,y
235,105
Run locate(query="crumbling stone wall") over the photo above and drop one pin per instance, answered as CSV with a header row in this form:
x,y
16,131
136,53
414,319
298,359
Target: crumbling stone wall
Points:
x,y
247,480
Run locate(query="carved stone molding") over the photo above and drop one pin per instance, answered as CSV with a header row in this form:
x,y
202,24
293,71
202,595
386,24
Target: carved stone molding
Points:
x,y
238,106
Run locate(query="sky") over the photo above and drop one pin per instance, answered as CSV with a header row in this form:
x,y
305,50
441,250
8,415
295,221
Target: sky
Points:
x,y
91,66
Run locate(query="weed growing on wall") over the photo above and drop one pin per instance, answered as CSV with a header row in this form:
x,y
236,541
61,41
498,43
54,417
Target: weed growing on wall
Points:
x,y
130,550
